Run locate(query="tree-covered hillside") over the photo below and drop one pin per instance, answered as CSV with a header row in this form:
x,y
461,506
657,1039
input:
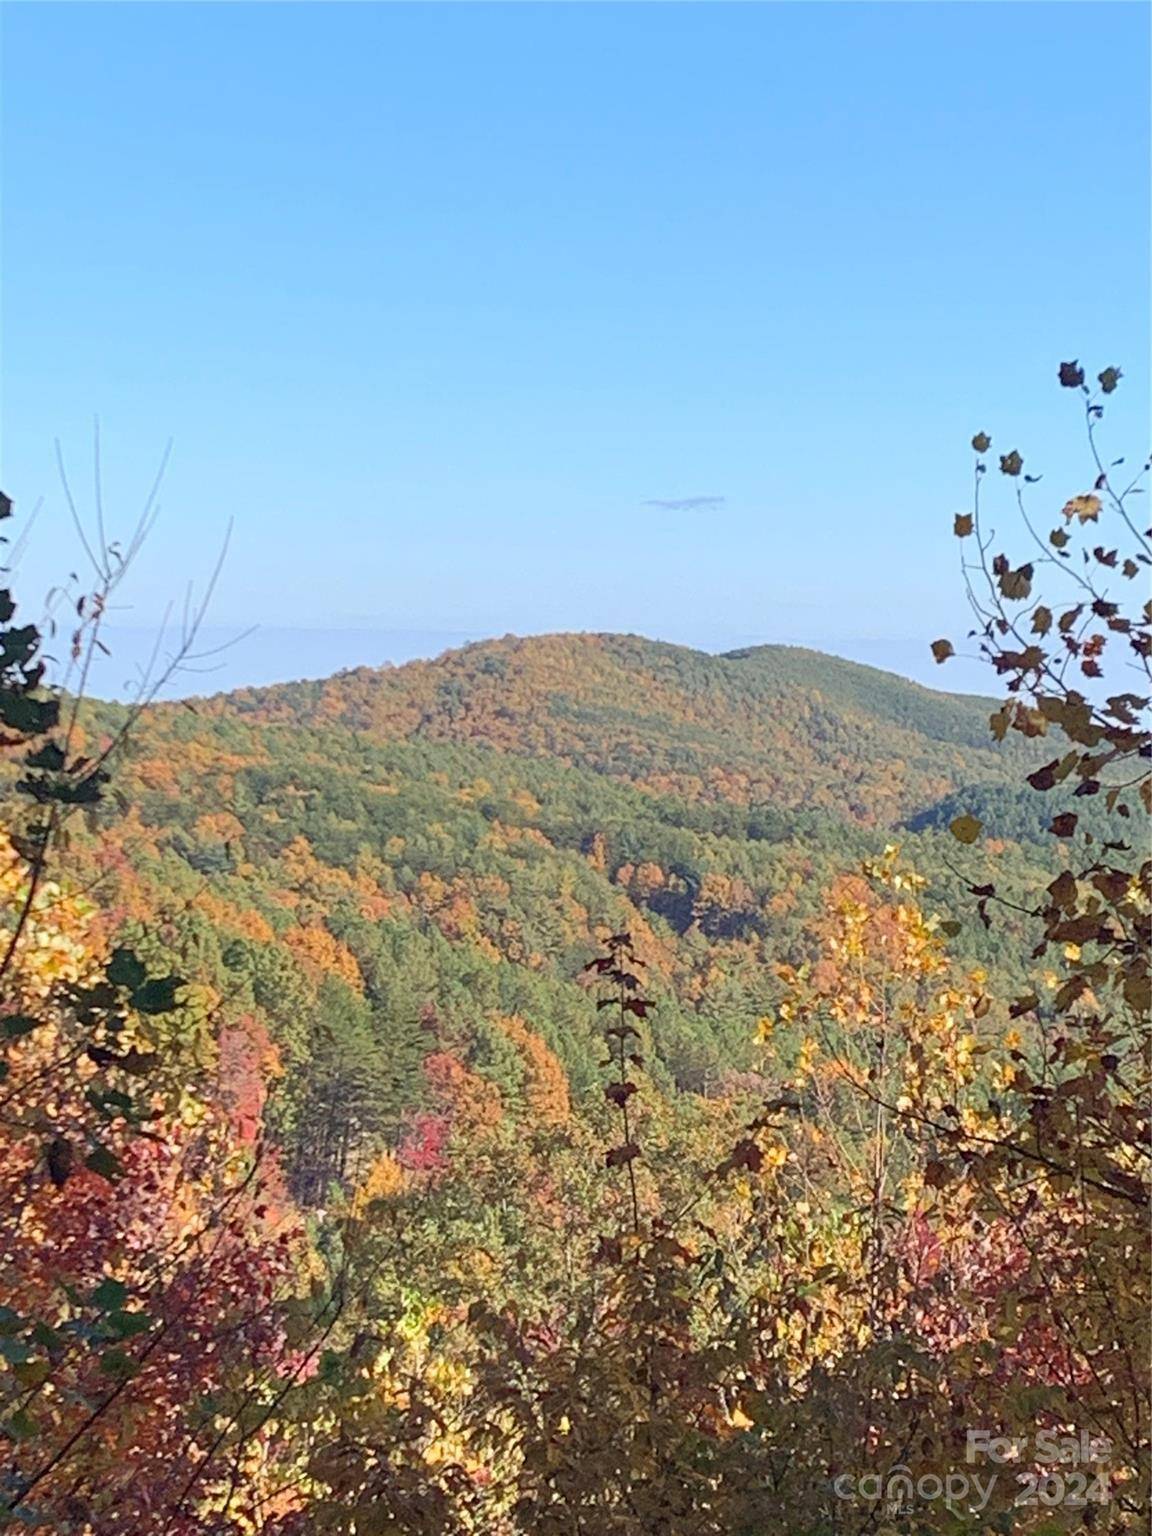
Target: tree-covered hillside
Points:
x,y
386,867
774,727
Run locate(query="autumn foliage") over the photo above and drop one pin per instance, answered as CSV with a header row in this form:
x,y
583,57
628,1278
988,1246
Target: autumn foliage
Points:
x,y
488,1112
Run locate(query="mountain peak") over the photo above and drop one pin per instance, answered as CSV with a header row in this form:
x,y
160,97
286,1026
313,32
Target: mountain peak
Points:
x,y
765,724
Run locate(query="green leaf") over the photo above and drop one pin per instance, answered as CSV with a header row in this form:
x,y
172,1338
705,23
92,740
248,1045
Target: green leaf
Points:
x,y
126,1325
110,1295
47,1336
116,1362
331,1366
21,1425
61,1159
105,1163
50,757
124,970
158,995
32,1373
1109,379
18,1024
966,829
109,1099
26,715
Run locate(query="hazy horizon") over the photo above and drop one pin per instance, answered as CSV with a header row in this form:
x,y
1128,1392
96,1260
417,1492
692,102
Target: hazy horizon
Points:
x,y
674,320
270,655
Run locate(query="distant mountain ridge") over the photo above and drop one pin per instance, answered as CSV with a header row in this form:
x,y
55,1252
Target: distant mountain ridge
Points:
x,y
776,725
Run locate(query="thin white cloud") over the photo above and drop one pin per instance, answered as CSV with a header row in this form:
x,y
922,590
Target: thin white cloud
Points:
x,y
688,503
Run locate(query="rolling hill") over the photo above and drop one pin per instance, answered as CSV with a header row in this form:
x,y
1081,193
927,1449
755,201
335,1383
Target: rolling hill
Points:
x,y
386,867
776,725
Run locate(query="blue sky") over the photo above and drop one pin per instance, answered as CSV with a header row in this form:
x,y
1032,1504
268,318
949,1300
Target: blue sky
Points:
x,y
437,300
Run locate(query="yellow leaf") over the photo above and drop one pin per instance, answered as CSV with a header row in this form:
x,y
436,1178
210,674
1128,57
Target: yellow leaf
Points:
x,y
1086,508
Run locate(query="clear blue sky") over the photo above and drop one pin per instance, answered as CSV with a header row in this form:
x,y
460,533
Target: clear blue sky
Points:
x,y
435,298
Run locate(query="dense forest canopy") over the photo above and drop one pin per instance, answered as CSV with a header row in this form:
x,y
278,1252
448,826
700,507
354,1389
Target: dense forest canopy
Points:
x,y
444,843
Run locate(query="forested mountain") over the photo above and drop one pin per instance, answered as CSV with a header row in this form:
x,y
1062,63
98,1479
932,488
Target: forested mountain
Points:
x,y
777,727
387,867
